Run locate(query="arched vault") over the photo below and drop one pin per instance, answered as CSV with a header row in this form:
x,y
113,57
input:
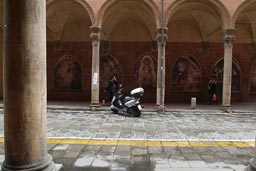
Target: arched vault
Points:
x,y
205,20
67,17
215,7
114,12
244,20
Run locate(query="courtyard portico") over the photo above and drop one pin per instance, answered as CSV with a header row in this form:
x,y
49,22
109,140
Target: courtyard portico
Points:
x,y
69,49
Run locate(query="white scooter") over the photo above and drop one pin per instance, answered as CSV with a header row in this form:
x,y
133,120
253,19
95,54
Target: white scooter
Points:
x,y
128,105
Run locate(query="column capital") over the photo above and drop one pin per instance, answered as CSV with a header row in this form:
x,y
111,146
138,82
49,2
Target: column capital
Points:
x,y
161,35
229,36
95,34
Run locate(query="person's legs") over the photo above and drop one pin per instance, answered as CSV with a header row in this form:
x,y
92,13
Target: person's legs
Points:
x,y
210,98
111,94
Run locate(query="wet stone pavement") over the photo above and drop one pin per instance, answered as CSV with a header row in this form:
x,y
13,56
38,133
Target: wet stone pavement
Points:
x,y
84,140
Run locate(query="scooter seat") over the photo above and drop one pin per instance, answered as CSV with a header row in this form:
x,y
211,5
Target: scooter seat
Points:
x,y
127,98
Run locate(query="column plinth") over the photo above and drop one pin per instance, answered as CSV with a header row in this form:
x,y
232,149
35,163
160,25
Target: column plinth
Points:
x,y
44,165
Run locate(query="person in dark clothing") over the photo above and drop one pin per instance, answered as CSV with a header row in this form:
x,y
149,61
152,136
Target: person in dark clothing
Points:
x,y
211,89
112,86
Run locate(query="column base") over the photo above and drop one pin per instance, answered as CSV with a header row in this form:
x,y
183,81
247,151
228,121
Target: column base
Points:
x,y
227,109
94,106
160,109
252,165
46,165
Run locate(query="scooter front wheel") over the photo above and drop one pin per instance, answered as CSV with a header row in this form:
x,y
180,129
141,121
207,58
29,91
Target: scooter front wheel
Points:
x,y
136,111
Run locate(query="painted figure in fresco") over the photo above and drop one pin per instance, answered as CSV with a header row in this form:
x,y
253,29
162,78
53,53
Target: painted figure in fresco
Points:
x,y
147,75
108,67
186,75
145,72
181,72
194,77
67,74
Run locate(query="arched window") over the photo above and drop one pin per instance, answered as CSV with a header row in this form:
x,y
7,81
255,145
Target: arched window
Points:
x,y
186,75
218,72
67,74
145,71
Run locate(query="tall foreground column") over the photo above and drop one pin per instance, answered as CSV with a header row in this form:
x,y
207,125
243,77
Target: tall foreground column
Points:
x,y
95,35
161,42
227,74
25,86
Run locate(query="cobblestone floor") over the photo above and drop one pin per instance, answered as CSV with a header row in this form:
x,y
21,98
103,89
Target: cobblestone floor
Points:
x,y
174,141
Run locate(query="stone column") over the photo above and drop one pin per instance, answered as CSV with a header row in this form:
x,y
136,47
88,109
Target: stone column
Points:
x,y
95,35
25,86
161,42
227,74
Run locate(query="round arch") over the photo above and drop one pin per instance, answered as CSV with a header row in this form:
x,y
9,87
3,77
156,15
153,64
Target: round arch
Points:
x,y
244,21
84,4
109,3
241,7
216,4
67,20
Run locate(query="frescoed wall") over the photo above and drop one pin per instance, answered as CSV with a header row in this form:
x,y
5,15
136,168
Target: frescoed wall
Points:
x,y
194,46
145,72
67,74
186,75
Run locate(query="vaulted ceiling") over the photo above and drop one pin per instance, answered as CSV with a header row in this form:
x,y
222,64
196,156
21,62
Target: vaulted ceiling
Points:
x,y
134,21
195,22
246,25
68,21
129,21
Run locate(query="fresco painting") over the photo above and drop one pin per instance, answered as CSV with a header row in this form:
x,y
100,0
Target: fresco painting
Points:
x,y
67,74
109,67
186,75
145,72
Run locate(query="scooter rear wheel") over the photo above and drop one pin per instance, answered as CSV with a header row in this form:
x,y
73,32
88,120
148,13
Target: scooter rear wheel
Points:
x,y
114,111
